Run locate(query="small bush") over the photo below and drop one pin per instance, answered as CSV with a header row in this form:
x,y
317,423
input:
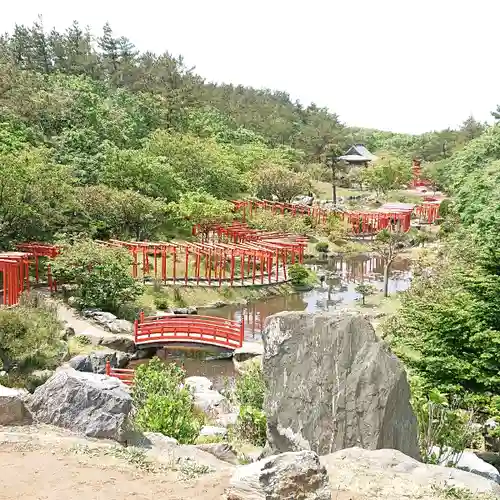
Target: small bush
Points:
x,y
322,246
250,387
299,275
441,425
130,311
365,289
162,404
161,302
29,338
251,425
102,275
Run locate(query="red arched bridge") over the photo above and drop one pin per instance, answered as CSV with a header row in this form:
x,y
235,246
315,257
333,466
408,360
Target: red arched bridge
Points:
x,y
152,331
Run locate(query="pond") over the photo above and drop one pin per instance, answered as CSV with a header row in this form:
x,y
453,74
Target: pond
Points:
x,y
337,291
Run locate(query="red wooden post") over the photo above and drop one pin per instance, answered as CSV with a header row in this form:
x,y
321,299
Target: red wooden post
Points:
x,y
284,262
232,266
270,266
174,265
242,267
197,267
186,267
277,264
254,264
108,368
209,257
242,330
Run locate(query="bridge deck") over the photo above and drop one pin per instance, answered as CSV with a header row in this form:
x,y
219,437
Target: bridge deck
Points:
x,y
211,330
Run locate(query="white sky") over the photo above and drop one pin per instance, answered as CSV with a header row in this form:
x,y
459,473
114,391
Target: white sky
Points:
x,y
401,65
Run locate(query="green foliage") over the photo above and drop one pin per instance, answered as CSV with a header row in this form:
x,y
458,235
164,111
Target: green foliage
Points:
x,y
161,301
285,223
386,174
277,181
29,337
35,196
162,404
200,208
444,430
251,425
365,290
322,246
299,275
250,387
101,273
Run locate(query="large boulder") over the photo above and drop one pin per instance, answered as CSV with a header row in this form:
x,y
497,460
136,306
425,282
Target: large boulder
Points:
x,y
13,410
109,321
94,405
246,355
332,385
205,398
95,362
289,476
391,475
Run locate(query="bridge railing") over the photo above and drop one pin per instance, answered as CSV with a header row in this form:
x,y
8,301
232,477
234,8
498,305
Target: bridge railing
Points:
x,y
126,375
191,328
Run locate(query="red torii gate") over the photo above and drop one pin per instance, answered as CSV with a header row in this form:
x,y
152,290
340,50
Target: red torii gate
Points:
x,y
14,267
428,210
317,214
216,256
38,250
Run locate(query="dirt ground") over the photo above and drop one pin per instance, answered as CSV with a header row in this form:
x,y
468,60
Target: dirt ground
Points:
x,y
32,472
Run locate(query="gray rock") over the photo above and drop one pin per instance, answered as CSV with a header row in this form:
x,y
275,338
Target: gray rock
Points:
x,y
167,450
226,419
391,475
213,431
184,310
95,362
124,343
95,405
247,354
289,476
467,461
333,385
150,440
222,451
204,397
120,326
12,406
81,363
199,384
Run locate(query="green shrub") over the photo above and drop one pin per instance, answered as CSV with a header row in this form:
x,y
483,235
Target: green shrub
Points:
x,y
161,302
162,404
130,311
365,289
441,425
29,338
322,246
101,273
250,387
299,275
251,425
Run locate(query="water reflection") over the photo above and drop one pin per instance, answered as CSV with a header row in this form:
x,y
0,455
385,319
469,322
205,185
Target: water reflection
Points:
x,y
337,290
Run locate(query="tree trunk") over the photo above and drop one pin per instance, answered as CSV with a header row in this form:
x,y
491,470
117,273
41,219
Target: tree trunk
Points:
x,y
363,299
334,182
387,268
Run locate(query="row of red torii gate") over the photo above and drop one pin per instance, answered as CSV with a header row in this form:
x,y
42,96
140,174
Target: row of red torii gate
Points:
x,y
232,255
359,222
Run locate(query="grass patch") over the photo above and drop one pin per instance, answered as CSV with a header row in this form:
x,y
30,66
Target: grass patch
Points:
x,y
187,296
324,190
